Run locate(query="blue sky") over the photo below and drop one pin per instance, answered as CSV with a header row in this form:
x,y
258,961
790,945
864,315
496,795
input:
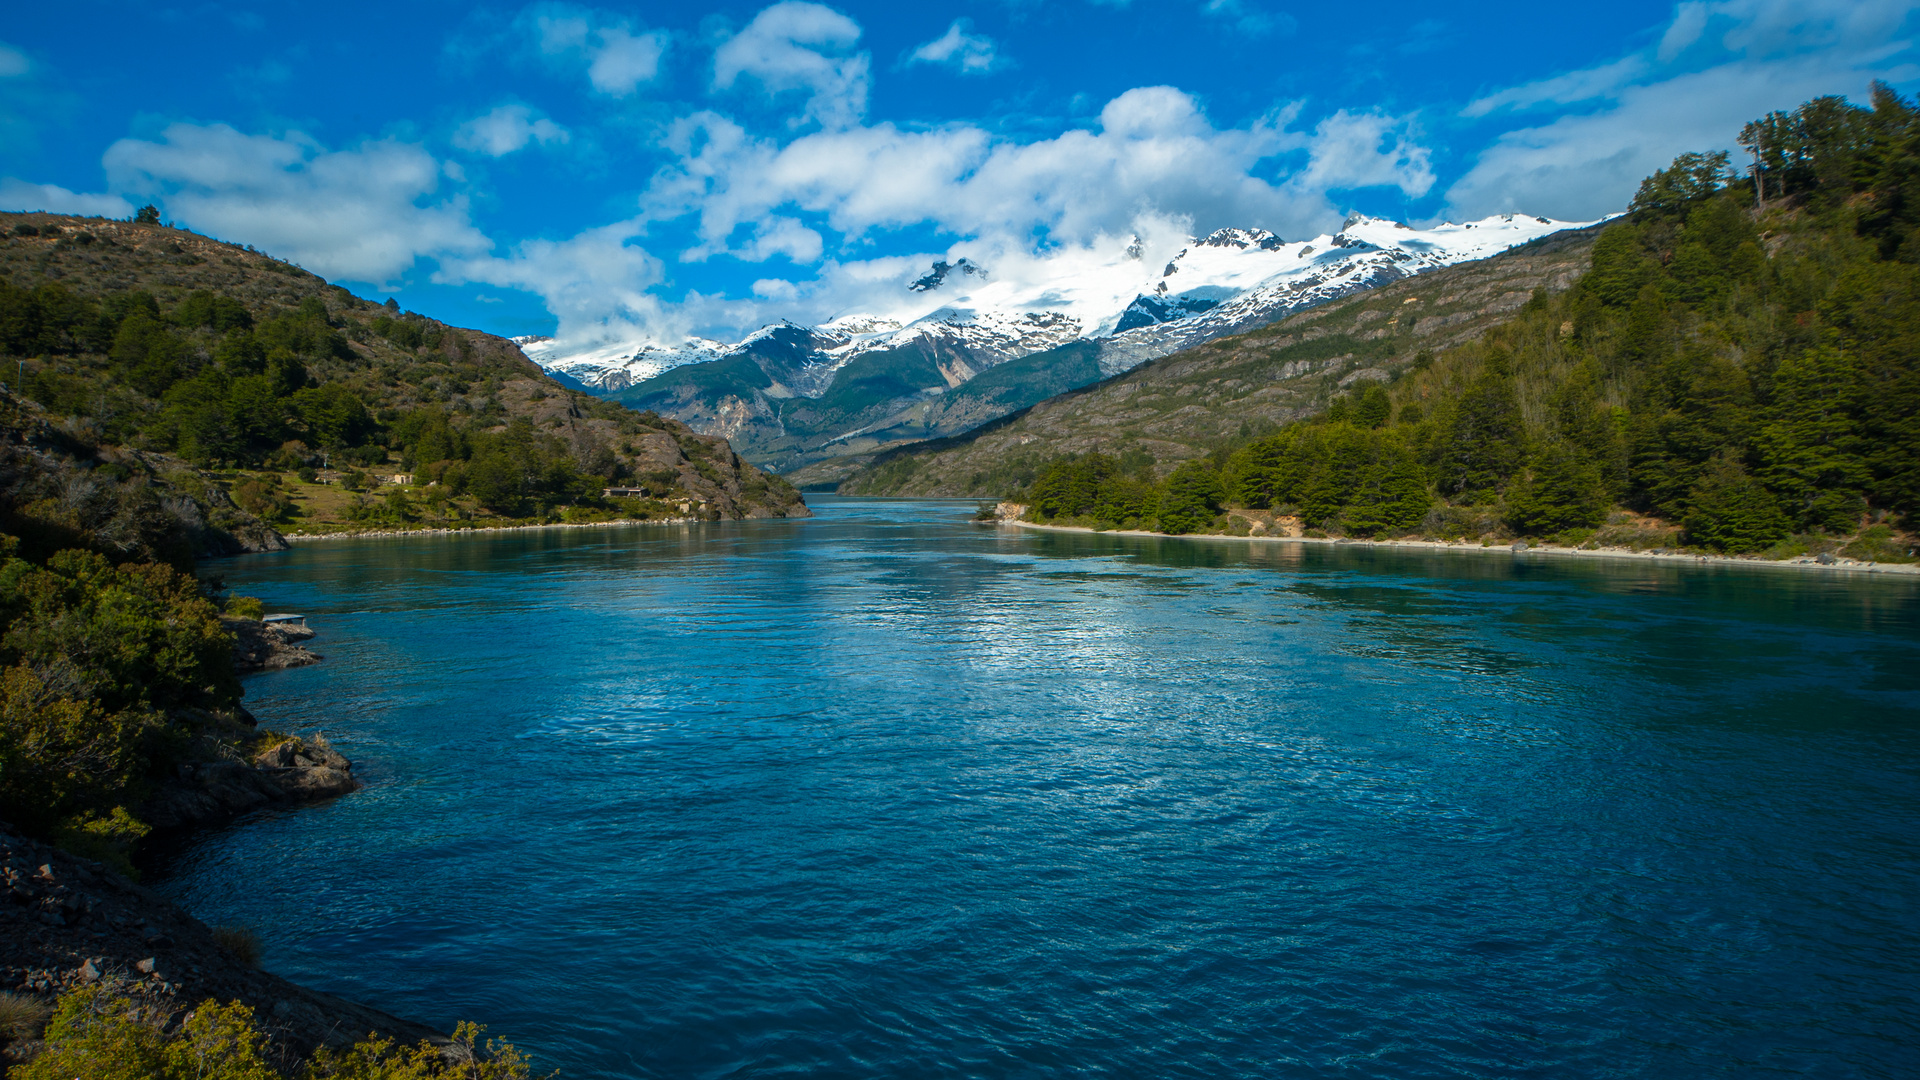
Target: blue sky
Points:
x,y
653,170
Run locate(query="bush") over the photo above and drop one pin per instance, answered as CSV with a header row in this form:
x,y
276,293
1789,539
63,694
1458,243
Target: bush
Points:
x,y
98,1034
240,943
1879,544
21,1016
245,607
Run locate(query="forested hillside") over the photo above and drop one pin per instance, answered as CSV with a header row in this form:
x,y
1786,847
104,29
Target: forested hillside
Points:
x,y
1739,371
154,338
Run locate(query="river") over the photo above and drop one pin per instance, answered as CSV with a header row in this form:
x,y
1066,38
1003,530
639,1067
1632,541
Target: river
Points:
x,y
888,794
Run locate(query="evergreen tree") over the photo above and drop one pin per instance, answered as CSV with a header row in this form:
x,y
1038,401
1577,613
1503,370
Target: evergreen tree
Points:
x,y
1810,447
1372,408
1562,490
1192,499
1391,495
1732,511
1486,440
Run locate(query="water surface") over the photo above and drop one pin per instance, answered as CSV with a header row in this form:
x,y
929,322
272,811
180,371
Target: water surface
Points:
x,y
887,794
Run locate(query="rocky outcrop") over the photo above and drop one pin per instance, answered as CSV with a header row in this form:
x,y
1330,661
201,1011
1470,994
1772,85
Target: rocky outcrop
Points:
x,y
221,784
259,646
67,922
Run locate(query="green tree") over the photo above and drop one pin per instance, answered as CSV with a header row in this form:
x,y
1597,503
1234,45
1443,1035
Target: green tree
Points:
x,y
1192,499
1372,408
1810,449
1562,490
1391,495
1486,441
1732,511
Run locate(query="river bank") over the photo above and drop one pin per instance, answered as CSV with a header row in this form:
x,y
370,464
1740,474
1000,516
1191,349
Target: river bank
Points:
x,y
1839,565
363,534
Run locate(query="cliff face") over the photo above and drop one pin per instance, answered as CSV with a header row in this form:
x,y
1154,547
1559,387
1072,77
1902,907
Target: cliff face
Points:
x,y
1179,407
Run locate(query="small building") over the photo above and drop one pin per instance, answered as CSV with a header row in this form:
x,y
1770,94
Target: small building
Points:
x,y
397,478
285,620
623,493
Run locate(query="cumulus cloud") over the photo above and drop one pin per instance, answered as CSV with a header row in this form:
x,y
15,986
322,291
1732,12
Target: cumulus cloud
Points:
x,y
967,53
1716,66
804,47
1155,153
356,214
506,129
597,278
13,62
617,59
53,199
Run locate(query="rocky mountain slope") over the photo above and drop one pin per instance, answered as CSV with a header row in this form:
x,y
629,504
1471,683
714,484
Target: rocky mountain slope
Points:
x,y
964,347
158,339
1185,405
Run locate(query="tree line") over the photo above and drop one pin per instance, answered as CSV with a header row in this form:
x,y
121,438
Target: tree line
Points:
x,y
1740,361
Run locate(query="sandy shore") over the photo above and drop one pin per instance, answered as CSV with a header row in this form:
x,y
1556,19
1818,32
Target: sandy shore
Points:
x,y
1839,565
364,534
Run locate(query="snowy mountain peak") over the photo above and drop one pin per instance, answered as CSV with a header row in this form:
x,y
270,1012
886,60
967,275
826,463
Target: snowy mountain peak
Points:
x,y
1230,280
1243,239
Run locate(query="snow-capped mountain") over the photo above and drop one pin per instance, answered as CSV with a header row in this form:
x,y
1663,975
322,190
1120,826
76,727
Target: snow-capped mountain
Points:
x,y
959,320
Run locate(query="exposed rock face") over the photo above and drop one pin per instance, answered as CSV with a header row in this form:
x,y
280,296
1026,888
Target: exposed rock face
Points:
x,y
67,922
258,646
221,786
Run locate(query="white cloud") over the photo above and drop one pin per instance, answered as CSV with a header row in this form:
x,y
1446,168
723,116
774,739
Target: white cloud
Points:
x,y
797,46
1155,153
624,61
617,59
53,199
13,62
353,214
598,277
1361,150
1744,58
506,129
969,54
1602,81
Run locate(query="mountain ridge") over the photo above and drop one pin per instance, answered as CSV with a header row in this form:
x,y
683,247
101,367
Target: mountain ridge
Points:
x,y
878,380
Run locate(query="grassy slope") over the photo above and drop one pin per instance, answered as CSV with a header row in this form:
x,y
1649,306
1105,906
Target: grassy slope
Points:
x,y
472,375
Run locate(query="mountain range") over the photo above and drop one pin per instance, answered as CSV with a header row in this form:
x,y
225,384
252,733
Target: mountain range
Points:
x,y
962,347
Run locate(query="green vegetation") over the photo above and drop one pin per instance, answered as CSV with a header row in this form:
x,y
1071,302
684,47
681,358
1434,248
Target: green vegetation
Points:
x,y
107,674
1747,368
249,366
101,1035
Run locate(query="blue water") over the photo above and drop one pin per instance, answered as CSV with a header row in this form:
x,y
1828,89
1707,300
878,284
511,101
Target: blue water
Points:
x,y
887,794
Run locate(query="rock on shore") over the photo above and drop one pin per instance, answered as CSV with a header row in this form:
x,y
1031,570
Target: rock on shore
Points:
x,y
222,785
259,646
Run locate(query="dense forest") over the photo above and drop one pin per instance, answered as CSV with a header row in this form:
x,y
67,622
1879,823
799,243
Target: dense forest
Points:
x,y
1742,361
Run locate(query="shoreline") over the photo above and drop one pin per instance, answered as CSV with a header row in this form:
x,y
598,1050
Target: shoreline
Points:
x,y
1847,566
364,534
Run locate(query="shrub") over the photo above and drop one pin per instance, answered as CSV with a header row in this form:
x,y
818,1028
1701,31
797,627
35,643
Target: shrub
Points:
x,y
98,1034
245,607
21,1016
239,942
